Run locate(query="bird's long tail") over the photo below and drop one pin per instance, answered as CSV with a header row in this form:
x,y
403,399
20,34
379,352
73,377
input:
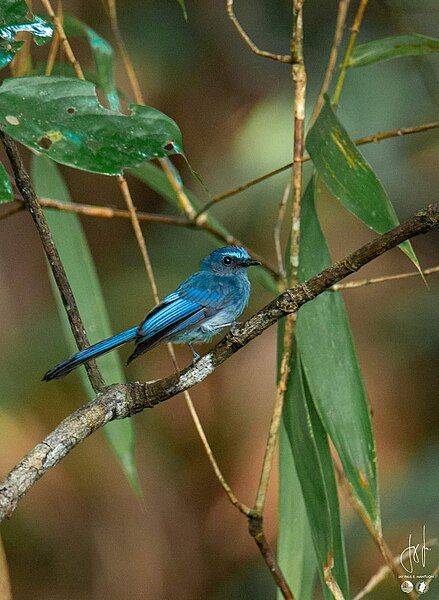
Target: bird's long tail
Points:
x,y
83,356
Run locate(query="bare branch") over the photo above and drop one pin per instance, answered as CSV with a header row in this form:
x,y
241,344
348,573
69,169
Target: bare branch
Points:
x,y
368,139
343,7
350,285
123,400
350,47
285,58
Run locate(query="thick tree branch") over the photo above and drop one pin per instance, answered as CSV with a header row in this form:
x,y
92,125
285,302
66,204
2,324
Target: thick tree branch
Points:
x,y
119,401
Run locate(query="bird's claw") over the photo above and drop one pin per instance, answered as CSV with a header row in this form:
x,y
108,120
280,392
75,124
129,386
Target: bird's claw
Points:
x,y
235,327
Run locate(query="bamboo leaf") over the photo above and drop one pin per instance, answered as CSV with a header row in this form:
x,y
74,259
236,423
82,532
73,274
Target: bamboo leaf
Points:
x,y
393,47
310,448
75,254
295,549
61,117
349,176
331,369
5,186
103,56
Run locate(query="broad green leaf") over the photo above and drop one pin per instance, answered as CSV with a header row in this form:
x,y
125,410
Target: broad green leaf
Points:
x,y
315,471
103,56
183,8
72,245
156,179
331,368
62,118
295,549
348,175
13,19
393,47
5,186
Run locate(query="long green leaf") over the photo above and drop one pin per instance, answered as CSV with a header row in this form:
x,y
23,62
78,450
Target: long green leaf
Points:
x,y
296,554
315,471
5,186
14,19
348,175
103,56
62,118
331,368
295,549
183,8
75,254
393,47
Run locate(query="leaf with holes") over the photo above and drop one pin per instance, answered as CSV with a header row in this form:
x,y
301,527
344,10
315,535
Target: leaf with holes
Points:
x,y
332,371
62,118
103,56
393,47
75,254
349,176
5,186
14,19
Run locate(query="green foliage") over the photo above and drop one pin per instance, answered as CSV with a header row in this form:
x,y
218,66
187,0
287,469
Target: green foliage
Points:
x,y
393,47
295,549
331,369
349,176
75,254
103,56
310,448
5,186
62,118
13,19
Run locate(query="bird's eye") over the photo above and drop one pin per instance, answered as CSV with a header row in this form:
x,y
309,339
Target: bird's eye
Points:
x,y
227,260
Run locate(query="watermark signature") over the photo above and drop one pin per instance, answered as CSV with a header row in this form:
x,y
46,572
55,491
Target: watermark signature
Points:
x,y
410,554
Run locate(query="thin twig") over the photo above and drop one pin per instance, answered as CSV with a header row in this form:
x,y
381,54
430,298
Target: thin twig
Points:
x,y
54,46
374,531
285,58
343,7
368,139
119,401
64,41
350,47
278,230
106,212
349,285
24,184
299,78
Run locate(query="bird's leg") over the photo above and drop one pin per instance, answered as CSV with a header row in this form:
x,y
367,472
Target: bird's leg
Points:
x,y
195,356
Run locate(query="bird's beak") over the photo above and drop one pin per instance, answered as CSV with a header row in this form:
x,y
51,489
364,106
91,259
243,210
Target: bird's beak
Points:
x,y
250,262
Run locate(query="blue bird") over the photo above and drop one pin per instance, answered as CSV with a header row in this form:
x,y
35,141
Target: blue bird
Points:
x,y
201,306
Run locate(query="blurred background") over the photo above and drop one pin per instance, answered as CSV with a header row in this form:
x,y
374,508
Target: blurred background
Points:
x,y
81,533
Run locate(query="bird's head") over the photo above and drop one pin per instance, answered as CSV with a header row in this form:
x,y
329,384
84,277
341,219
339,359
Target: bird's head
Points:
x,y
230,260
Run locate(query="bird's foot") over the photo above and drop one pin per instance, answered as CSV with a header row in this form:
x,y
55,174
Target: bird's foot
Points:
x,y
235,327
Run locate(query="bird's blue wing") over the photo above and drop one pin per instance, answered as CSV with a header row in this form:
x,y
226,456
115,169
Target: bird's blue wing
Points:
x,y
191,304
